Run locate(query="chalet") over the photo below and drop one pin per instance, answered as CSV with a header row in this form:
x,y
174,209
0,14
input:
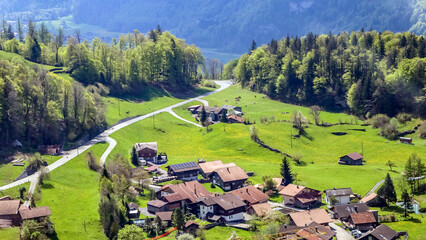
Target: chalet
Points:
x,y
146,151
235,119
305,218
9,213
157,206
133,210
406,140
193,109
28,213
382,232
191,227
226,208
316,231
165,217
184,171
343,212
374,200
208,167
259,209
213,113
300,196
338,196
54,150
250,195
229,178
363,221
351,159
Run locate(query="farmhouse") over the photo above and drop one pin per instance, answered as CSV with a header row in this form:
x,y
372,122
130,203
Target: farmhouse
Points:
x,y
382,232
36,213
351,159
213,113
191,227
338,196
226,208
374,200
193,109
260,209
343,212
250,195
165,217
146,151
300,196
229,178
363,221
12,212
305,218
208,167
157,206
184,171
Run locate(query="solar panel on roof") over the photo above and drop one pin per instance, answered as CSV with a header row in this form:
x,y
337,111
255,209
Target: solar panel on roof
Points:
x,y
184,165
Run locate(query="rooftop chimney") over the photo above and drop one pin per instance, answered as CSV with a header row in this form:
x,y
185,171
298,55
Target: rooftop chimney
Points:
x,y
356,209
228,170
247,191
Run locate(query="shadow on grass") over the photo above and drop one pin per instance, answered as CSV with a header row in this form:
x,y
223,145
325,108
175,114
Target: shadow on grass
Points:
x,y
306,135
301,163
47,186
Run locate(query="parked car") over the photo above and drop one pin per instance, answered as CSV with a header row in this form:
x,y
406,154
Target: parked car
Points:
x,y
356,233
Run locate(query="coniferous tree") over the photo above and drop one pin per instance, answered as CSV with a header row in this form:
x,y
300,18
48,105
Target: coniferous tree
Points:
x,y
253,46
223,118
406,202
135,160
20,32
178,218
203,116
387,191
286,172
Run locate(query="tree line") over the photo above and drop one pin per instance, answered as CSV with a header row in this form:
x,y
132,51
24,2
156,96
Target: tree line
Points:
x,y
367,71
126,65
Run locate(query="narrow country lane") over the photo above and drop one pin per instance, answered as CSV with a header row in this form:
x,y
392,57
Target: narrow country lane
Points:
x,y
104,137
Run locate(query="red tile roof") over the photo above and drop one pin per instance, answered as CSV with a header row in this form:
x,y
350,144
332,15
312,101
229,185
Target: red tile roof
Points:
x,y
250,194
230,174
363,218
190,222
236,118
307,217
368,198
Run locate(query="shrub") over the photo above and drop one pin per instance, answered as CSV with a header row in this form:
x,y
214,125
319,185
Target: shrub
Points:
x,y
422,130
208,83
389,131
404,117
379,120
264,120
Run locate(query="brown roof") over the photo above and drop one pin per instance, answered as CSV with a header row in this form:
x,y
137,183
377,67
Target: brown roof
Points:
x,y
368,198
236,118
382,232
208,109
156,203
173,197
250,194
209,167
9,207
133,205
192,190
355,156
343,211
183,167
194,107
338,192
7,197
363,218
151,169
291,190
307,217
228,201
316,232
190,222
150,145
229,174
31,213
261,209
165,216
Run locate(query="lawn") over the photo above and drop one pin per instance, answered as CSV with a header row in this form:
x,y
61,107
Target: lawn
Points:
x,y
14,192
9,233
72,195
183,112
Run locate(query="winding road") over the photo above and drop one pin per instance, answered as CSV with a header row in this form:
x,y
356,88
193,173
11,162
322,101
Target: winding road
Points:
x,y
104,137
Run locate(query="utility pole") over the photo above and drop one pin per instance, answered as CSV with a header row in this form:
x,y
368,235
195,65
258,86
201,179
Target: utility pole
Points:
x,y
291,137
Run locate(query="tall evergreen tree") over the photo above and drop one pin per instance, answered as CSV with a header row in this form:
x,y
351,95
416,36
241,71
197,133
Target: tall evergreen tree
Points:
x,y
286,172
253,46
135,157
406,202
203,116
387,191
20,31
178,218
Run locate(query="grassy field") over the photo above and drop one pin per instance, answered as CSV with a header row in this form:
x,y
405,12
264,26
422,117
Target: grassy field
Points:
x,y
10,233
184,113
14,192
72,195
11,56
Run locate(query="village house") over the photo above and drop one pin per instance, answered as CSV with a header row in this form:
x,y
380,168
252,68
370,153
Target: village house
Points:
x,y
351,159
133,210
305,218
343,212
184,171
12,213
338,196
363,221
374,200
54,150
226,208
191,227
316,231
213,113
193,109
250,195
146,152
382,232
166,217
208,167
300,196
229,178
154,206
259,209
235,119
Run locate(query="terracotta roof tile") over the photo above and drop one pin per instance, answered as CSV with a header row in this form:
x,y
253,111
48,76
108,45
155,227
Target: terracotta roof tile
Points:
x,y
192,190
291,190
250,194
307,217
229,174
363,218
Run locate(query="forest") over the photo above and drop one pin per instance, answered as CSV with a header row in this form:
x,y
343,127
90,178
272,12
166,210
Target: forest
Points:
x,y
43,107
368,71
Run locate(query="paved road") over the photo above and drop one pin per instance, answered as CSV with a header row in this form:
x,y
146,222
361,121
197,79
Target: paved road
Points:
x,y
183,119
341,234
375,187
104,137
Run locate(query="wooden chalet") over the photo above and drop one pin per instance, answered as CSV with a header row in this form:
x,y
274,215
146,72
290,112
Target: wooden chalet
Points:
x,y
12,213
305,218
374,200
207,168
227,208
343,212
382,232
193,109
184,171
351,159
250,195
146,151
191,227
229,178
260,209
363,221
300,196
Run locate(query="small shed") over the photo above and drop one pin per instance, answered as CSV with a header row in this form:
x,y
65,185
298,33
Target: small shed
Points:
x,y
406,140
191,227
133,210
351,159
156,206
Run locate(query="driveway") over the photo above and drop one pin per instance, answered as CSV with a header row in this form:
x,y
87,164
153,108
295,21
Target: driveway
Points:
x,y
341,234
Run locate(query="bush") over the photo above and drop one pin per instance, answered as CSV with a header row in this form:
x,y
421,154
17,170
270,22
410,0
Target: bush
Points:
x,y
389,131
422,130
404,117
208,83
379,120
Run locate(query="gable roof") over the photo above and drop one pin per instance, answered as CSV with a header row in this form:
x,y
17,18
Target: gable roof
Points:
x,y
208,109
209,167
149,145
316,232
382,232
156,203
165,216
346,210
229,174
291,190
173,197
355,156
133,205
261,209
183,167
236,118
363,218
30,213
368,198
192,190
338,192
250,194
194,107
190,222
228,201
9,207
307,217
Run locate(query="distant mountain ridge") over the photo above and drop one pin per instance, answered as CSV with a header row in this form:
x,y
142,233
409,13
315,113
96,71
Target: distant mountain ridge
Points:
x,y
231,25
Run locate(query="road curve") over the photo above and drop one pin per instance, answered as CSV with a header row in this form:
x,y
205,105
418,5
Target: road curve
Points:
x,y
104,137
